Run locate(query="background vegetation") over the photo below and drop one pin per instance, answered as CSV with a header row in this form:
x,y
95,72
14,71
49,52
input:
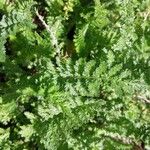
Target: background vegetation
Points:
x,y
74,75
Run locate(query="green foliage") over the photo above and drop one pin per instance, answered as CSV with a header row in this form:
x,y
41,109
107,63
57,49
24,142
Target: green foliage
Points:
x,y
74,74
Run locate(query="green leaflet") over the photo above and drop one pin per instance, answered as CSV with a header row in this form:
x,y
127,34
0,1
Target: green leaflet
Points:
x,y
2,51
80,39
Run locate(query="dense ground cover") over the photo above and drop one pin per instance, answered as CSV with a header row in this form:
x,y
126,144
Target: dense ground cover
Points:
x,y
74,75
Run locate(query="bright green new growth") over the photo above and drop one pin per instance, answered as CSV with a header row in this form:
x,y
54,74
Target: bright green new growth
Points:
x,y
74,75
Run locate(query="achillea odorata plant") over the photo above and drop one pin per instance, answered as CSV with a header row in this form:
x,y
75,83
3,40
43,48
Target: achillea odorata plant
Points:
x,y
74,74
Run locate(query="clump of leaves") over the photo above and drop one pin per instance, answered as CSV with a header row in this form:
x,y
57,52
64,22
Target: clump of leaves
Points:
x,y
74,74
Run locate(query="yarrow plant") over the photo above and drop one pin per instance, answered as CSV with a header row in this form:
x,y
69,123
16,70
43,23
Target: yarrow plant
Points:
x,y
74,75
